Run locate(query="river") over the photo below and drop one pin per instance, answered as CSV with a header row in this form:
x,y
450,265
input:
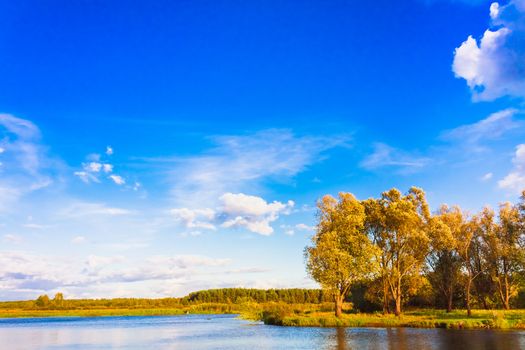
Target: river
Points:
x,y
227,332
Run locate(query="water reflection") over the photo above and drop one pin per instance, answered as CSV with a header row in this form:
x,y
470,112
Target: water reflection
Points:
x,y
341,339
227,332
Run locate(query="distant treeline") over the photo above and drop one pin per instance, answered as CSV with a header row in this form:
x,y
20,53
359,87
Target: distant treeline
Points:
x,y
219,296
239,295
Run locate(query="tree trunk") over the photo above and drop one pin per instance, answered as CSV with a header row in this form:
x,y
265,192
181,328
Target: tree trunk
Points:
x,y
449,301
398,299
339,298
397,312
469,311
386,308
506,302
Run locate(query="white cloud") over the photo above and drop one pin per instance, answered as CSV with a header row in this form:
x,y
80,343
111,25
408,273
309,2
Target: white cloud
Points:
x,y
86,177
107,168
93,167
487,177
515,180
96,165
119,180
494,10
252,212
81,209
235,210
245,205
23,273
386,156
495,66
305,227
195,218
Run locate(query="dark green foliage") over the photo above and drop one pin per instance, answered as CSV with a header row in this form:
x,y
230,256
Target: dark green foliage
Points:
x,y
240,295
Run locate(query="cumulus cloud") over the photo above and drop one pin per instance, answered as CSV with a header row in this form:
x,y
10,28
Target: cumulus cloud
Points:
x,y
195,218
235,210
495,66
251,212
515,180
386,156
95,167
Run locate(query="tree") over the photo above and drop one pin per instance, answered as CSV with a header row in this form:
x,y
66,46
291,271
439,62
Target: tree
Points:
x,y
42,301
399,224
341,253
375,228
504,255
58,300
468,249
443,258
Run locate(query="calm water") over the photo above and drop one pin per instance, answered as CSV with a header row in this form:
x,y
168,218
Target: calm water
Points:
x,y
226,332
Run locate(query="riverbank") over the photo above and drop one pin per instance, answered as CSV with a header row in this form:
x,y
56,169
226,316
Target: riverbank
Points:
x,y
209,308
303,315
480,319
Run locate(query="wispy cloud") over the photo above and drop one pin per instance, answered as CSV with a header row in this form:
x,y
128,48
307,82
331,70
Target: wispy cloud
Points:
x,y
474,136
83,209
242,163
387,156
32,274
24,164
515,180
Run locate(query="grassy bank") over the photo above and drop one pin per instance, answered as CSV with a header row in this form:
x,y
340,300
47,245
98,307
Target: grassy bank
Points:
x,y
481,319
208,308
299,315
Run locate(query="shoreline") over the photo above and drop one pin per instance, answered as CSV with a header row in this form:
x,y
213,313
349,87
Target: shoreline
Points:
x,y
425,319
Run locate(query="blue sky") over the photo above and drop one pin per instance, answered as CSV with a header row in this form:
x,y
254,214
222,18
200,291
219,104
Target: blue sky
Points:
x,y
152,149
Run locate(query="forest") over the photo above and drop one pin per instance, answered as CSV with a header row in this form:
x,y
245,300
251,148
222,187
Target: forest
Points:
x,y
391,252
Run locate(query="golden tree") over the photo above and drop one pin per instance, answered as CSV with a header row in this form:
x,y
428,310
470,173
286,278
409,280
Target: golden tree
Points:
x,y
341,253
399,226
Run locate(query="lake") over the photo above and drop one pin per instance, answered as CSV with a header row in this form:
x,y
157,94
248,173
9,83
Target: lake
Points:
x,y
227,332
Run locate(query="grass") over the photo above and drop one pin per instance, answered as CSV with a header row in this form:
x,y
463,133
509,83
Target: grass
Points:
x,y
480,319
207,308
